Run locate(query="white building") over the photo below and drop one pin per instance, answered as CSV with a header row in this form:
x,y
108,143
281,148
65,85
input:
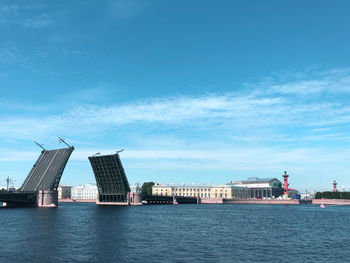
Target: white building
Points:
x,y
86,191
262,187
255,182
135,188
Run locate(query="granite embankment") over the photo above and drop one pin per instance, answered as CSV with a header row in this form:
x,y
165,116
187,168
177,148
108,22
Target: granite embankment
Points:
x,y
331,201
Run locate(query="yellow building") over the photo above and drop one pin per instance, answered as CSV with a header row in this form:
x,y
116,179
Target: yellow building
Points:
x,y
192,190
220,192
202,191
162,190
229,191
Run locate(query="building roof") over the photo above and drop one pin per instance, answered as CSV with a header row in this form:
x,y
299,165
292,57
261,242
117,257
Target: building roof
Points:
x,y
252,180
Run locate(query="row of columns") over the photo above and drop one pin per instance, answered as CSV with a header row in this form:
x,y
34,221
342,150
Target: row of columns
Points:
x,y
265,192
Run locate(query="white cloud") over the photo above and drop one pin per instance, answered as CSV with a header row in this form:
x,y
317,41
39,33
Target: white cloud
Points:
x,y
302,87
264,108
38,22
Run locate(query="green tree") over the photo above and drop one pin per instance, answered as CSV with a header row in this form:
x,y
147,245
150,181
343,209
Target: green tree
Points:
x,y
318,195
147,188
333,195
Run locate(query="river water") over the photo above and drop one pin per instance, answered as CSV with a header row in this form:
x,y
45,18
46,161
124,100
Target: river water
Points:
x,y
85,232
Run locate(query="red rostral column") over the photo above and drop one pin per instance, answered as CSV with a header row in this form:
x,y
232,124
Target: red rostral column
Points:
x,y
285,184
335,186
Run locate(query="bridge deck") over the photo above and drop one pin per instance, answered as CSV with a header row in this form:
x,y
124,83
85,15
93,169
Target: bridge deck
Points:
x,y
47,171
19,199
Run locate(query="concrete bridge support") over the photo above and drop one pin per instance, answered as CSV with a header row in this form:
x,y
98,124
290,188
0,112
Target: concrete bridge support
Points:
x,y
135,198
47,198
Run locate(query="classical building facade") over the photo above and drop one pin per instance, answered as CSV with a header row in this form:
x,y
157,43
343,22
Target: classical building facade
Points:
x,y
86,191
202,191
261,187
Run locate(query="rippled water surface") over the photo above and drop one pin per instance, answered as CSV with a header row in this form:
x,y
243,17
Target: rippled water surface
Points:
x,y
84,232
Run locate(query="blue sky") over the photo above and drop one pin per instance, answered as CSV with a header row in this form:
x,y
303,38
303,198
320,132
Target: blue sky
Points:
x,y
194,91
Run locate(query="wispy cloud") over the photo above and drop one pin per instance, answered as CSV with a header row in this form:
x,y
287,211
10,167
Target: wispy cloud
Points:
x,y
9,55
314,83
27,15
263,108
38,22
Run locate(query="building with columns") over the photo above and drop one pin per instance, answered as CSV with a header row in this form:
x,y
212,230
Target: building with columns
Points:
x,y
261,187
202,191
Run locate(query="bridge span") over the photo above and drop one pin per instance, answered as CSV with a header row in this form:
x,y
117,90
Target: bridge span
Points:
x,y
112,183
40,186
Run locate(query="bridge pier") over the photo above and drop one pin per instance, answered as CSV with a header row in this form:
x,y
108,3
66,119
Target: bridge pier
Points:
x,y
47,198
135,198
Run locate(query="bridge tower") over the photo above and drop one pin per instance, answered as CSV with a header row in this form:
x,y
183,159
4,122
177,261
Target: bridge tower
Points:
x,y
335,186
285,184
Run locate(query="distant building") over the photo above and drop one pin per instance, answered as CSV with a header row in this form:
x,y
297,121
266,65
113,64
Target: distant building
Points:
x,y
261,187
135,188
229,191
292,192
64,191
202,191
86,191
310,194
256,182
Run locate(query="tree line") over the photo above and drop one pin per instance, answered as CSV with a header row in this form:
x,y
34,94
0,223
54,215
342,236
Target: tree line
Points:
x,y
332,195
